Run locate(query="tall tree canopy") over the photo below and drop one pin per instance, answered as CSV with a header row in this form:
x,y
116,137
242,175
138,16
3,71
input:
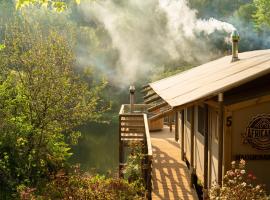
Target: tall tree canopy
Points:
x,y
42,101
262,15
56,4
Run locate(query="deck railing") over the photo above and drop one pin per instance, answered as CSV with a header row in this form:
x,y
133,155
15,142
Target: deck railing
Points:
x,y
133,126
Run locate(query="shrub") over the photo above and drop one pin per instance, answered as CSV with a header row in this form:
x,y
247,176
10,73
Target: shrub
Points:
x,y
133,169
238,184
81,186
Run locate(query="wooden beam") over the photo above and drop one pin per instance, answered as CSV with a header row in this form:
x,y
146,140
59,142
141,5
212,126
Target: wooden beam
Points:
x,y
183,134
205,173
145,86
212,103
196,102
152,100
192,135
154,108
170,122
146,90
161,115
149,95
176,128
220,137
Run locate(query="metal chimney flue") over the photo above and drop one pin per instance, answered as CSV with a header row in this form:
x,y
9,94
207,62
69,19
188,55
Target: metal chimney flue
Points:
x,y
132,97
235,37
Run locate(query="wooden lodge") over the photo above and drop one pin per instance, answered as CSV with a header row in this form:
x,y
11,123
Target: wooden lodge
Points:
x,y
222,111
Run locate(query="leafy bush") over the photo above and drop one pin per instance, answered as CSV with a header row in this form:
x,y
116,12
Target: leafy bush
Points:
x,y
133,169
82,186
238,184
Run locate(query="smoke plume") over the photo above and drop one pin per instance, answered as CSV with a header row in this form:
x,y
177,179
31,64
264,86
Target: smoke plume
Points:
x,y
153,33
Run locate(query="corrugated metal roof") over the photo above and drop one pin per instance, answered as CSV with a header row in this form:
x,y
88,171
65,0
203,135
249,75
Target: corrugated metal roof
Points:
x,y
213,77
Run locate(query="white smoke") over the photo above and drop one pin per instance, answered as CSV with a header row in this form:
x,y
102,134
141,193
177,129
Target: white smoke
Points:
x,y
151,33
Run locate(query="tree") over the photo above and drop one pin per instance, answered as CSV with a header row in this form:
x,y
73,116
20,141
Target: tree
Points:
x,y
42,101
262,15
56,4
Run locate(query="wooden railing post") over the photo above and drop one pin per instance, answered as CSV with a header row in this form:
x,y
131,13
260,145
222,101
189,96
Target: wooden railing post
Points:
x,y
182,134
192,135
120,148
220,137
176,128
205,171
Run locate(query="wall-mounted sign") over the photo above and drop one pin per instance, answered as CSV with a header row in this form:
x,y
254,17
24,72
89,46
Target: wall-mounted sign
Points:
x,y
258,132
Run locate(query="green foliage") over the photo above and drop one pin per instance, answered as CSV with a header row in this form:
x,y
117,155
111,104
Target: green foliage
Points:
x,y
246,12
169,72
82,186
58,5
239,184
217,8
42,101
133,169
2,46
262,15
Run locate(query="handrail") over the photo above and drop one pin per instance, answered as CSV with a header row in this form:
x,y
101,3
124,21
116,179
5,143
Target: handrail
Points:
x,y
122,109
147,135
138,109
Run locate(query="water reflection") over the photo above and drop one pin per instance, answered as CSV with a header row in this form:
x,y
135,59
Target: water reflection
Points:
x,y
97,149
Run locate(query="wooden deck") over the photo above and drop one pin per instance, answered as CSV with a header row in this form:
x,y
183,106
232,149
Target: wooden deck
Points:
x,y
170,175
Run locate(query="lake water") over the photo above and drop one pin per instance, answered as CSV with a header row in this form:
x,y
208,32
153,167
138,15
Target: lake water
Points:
x,y
97,150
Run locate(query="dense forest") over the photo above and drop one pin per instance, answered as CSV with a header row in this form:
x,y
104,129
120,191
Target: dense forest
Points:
x,y
65,65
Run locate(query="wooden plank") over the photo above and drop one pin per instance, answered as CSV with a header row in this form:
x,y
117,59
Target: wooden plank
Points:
x,y
133,126
131,137
152,100
161,114
132,121
132,131
156,107
133,115
146,90
149,95
145,86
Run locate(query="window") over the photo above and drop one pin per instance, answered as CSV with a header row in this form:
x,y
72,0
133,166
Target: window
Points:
x,y
201,120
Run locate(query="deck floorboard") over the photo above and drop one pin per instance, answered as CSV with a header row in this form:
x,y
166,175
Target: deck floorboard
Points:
x,y
170,174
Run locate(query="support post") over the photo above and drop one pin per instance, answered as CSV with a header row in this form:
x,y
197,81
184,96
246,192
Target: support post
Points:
x,y
220,137
205,173
192,132
176,128
120,148
182,134
170,123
